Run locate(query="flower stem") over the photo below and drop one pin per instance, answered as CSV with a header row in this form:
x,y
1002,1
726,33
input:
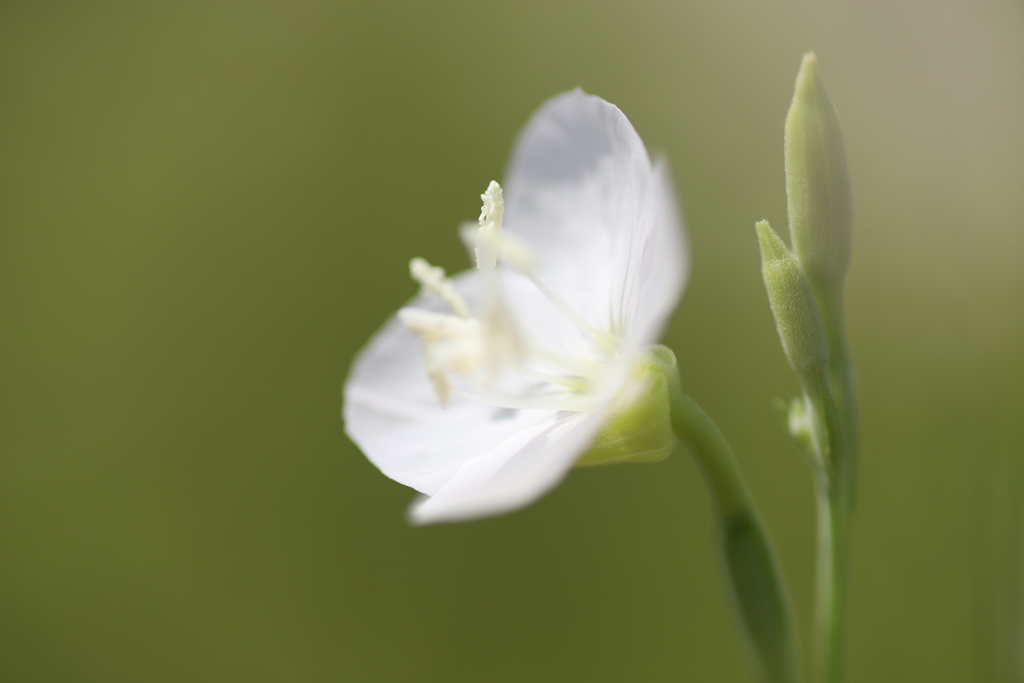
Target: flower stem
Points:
x,y
754,579
830,598
841,381
833,476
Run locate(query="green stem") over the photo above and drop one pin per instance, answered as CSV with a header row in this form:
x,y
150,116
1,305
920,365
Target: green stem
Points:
x,y
841,381
754,579
830,591
833,490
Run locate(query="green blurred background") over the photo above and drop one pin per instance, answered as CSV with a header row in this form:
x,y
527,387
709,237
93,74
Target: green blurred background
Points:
x,y
207,207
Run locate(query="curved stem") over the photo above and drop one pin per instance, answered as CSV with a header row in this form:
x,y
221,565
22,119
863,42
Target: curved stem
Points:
x,y
754,579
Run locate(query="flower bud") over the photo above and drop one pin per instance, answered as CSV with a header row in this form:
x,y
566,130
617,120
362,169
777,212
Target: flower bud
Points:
x,y
818,182
641,429
793,304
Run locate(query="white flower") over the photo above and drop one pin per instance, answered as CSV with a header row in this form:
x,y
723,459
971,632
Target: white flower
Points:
x,y
488,387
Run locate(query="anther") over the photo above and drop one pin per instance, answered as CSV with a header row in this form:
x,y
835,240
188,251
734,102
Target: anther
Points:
x,y
488,240
434,281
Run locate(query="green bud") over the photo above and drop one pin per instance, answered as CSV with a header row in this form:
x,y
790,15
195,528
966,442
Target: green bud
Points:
x,y
818,181
793,304
641,430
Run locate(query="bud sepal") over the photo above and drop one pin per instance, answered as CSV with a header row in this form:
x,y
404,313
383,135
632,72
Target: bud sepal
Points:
x,y
641,430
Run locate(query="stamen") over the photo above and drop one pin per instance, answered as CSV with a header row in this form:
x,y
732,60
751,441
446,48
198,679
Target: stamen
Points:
x,y
450,344
490,242
483,349
489,235
433,326
434,281
509,248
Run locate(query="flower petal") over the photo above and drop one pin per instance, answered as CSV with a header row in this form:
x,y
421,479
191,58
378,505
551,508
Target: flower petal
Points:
x,y
581,191
393,414
659,262
513,474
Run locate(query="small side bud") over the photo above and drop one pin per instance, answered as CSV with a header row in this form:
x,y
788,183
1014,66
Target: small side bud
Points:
x,y
793,304
818,182
798,422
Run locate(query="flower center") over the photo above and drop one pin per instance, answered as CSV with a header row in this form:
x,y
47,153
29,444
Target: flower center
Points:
x,y
487,358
